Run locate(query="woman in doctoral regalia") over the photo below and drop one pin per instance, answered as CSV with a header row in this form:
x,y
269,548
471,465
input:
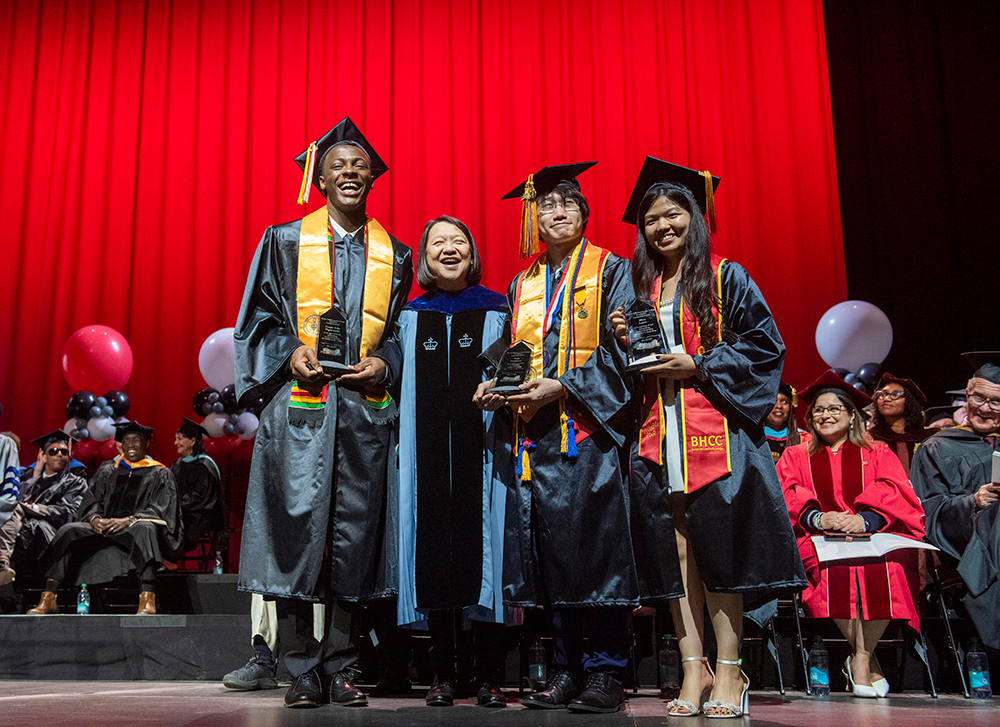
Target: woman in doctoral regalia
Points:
x,y
840,482
709,525
451,498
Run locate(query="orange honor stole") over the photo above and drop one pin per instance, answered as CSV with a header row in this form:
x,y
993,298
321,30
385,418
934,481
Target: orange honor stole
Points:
x,y
704,430
578,298
314,288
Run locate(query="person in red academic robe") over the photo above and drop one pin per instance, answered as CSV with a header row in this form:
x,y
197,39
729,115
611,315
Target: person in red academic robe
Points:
x,y
839,482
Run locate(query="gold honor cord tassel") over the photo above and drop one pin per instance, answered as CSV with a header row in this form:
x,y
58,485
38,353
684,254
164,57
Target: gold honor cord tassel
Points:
x,y
713,224
307,174
529,219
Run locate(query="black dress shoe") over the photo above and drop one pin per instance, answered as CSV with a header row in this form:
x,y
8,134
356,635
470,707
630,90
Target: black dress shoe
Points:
x,y
441,694
602,694
306,691
557,693
344,693
489,695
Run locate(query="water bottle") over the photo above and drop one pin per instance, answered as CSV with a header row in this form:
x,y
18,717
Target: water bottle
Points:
x,y
217,567
537,665
978,666
83,600
668,662
819,668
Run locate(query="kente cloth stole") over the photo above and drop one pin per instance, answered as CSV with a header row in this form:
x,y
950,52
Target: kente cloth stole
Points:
x,y
704,429
120,461
852,484
578,300
314,295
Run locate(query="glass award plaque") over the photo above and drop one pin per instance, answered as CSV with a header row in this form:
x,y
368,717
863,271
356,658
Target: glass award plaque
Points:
x,y
331,343
513,370
645,337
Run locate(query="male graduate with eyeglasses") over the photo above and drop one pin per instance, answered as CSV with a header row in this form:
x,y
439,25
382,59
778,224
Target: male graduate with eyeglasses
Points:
x,y
956,475
49,499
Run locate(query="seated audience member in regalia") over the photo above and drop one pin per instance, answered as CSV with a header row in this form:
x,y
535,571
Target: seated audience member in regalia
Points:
x,y
130,506
952,474
839,482
780,427
48,500
451,506
898,419
197,478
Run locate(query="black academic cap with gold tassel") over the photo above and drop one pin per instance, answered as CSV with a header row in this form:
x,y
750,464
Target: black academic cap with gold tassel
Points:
x,y
311,160
537,185
701,185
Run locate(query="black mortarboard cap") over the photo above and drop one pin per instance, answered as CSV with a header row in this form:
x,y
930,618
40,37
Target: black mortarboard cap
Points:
x,y
125,428
986,364
192,429
344,132
45,440
933,413
546,178
656,170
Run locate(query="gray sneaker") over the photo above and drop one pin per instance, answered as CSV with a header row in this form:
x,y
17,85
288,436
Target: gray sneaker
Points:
x,y
255,675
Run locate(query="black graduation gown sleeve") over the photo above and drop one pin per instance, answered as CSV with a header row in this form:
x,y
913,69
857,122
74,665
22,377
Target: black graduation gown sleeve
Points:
x,y
61,500
265,335
742,372
946,471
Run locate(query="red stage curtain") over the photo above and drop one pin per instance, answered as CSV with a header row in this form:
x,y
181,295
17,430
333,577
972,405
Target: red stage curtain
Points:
x,y
146,146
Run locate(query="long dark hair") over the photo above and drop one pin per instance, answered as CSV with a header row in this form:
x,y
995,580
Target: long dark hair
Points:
x,y
913,415
855,430
697,283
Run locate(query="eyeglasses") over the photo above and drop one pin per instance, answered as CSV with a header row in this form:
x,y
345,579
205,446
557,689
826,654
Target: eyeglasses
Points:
x,y
61,450
832,410
547,208
978,400
890,395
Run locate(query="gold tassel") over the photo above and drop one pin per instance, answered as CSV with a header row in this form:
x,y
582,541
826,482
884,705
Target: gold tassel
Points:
x,y
564,426
529,219
795,397
307,174
713,224
525,466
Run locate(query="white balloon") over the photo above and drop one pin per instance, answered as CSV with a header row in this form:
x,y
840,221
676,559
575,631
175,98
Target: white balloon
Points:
x,y
250,422
69,426
213,424
217,359
853,333
101,428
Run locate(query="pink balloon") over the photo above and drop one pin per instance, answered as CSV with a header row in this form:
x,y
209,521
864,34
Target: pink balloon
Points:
x,y
96,358
217,359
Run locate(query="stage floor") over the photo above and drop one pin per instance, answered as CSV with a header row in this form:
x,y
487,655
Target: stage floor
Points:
x,y
197,704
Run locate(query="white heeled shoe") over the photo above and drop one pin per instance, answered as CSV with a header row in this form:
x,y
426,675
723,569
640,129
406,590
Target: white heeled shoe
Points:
x,y
860,690
881,687
734,711
692,709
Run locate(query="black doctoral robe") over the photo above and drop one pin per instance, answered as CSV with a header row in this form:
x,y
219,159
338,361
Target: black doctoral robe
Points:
x,y
566,541
739,527
61,495
325,490
198,494
946,471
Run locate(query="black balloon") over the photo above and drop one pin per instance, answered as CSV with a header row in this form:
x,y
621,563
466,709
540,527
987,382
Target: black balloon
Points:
x,y
228,398
95,411
217,407
862,387
254,406
213,397
206,409
841,372
851,378
870,373
119,403
201,399
83,434
80,403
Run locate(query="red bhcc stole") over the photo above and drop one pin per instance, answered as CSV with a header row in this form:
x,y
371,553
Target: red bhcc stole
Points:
x,y
578,298
315,295
704,429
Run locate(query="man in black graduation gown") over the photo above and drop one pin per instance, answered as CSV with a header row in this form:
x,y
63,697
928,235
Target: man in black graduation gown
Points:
x,y
567,544
130,505
197,478
48,500
952,473
320,501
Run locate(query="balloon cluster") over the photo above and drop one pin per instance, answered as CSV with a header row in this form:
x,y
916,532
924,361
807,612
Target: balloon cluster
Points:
x,y
223,415
852,335
91,422
865,379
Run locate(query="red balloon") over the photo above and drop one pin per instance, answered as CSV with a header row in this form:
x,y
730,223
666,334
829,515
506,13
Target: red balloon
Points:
x,y
230,443
96,358
86,450
109,449
213,447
